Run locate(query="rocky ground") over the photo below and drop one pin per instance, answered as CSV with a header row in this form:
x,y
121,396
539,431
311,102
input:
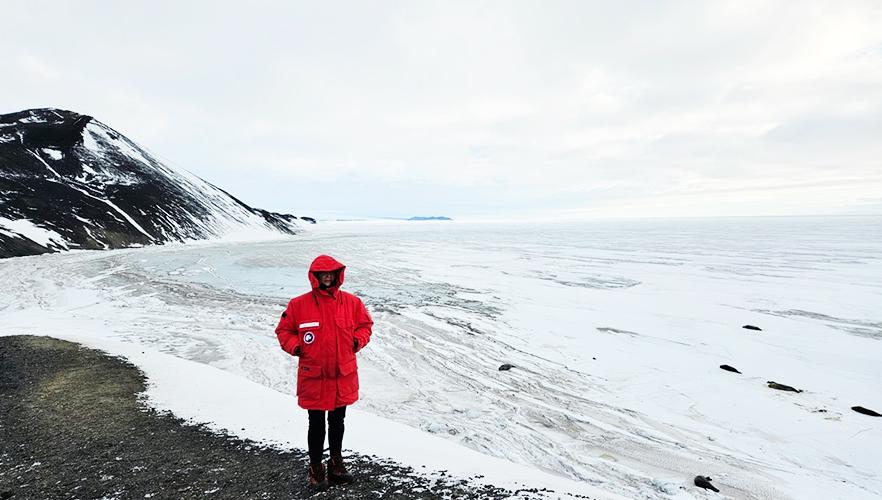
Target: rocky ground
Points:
x,y
72,426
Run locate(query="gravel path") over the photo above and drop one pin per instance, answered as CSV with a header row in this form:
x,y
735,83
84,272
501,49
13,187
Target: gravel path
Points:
x,y
72,426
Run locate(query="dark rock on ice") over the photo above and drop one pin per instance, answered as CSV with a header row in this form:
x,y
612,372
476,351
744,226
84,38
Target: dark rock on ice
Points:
x,y
505,367
865,411
782,387
608,329
705,482
730,368
751,327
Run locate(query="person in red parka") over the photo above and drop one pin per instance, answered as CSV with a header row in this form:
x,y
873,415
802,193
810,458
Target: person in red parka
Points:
x,y
325,328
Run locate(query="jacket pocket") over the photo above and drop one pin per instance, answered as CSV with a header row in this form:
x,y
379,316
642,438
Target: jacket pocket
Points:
x,y
345,332
345,324
347,382
309,382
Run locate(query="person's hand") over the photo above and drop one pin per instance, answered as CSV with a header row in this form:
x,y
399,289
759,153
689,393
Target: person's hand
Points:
x,y
354,345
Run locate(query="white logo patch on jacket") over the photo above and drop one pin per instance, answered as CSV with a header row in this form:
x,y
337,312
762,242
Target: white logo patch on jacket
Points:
x,y
312,324
308,338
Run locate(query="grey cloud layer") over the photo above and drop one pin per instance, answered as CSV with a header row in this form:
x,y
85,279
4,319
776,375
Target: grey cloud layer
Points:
x,y
635,109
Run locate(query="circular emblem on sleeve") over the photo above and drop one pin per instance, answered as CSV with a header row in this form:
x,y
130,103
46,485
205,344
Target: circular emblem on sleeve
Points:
x,y
308,338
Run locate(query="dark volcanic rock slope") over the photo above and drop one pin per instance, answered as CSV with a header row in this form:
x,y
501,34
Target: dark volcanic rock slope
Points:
x,y
69,181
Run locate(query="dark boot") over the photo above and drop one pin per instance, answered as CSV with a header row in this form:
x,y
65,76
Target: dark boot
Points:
x,y
317,478
337,471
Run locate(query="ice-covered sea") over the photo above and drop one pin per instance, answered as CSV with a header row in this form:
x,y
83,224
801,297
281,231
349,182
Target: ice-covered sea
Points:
x,y
616,330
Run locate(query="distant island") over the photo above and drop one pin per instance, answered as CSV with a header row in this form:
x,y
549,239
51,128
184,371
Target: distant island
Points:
x,y
430,218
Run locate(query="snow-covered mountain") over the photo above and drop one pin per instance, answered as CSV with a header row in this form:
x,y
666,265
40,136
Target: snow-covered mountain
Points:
x,y
69,181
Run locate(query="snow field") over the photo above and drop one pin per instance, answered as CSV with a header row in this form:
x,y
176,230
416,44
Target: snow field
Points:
x,y
616,334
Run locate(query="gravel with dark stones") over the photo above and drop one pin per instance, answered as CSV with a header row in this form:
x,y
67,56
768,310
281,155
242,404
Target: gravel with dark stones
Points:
x,y
72,426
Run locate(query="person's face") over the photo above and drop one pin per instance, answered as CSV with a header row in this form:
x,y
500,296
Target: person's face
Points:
x,y
326,278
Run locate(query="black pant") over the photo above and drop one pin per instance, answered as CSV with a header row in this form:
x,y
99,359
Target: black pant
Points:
x,y
316,435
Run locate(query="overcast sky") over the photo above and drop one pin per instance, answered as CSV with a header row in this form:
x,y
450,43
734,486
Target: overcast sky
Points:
x,y
561,109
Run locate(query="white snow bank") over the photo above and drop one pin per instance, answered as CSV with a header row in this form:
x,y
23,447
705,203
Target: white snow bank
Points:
x,y
53,153
29,230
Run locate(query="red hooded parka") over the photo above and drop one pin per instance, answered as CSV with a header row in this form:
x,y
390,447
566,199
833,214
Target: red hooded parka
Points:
x,y
321,327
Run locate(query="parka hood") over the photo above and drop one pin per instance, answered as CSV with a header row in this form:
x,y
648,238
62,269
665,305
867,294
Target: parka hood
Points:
x,y
325,263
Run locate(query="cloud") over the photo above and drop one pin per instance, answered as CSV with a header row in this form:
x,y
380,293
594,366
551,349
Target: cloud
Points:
x,y
580,106
35,68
